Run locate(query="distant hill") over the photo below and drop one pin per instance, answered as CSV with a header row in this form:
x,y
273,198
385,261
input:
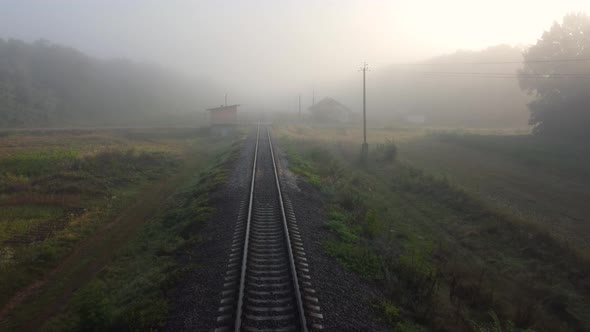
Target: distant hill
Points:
x,y
43,84
450,90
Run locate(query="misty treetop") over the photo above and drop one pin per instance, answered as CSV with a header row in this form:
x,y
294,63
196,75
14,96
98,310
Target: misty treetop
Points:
x,y
557,72
43,84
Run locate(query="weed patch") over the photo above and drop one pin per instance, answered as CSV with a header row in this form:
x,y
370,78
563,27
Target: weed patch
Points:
x,y
356,258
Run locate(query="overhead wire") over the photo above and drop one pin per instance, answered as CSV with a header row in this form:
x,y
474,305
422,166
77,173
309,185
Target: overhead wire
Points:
x,y
490,63
497,75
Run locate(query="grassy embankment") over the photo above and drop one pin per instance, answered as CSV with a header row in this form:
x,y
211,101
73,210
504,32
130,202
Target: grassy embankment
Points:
x,y
445,257
104,193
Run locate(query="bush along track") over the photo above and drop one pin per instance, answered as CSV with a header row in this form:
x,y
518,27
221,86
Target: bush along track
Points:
x,y
131,292
444,260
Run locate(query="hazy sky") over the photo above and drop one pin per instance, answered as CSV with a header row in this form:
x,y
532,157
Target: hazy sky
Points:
x,y
267,46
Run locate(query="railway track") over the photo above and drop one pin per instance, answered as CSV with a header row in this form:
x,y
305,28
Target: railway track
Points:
x,y
267,285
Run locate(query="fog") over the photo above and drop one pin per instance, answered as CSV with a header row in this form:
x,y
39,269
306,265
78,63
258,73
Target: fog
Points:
x,y
263,53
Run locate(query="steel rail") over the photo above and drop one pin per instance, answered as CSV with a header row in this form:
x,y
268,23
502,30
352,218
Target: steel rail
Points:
x,y
295,280
270,258
238,322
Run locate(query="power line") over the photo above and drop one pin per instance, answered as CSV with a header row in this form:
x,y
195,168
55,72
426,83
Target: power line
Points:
x,y
499,75
489,63
507,77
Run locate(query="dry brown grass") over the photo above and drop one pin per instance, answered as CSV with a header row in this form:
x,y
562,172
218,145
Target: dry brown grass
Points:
x,y
32,198
374,135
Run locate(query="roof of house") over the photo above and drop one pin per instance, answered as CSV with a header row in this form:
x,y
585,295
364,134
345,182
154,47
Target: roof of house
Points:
x,y
328,103
222,107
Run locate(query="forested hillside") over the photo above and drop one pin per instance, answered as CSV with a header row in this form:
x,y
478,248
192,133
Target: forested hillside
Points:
x,y
45,85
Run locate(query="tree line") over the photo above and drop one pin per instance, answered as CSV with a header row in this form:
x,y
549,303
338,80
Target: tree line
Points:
x,y
43,84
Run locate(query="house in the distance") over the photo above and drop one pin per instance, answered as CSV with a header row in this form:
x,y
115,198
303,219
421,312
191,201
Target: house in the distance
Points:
x,y
223,119
328,110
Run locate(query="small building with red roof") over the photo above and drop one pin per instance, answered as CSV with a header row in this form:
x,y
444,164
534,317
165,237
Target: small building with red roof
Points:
x,y
223,119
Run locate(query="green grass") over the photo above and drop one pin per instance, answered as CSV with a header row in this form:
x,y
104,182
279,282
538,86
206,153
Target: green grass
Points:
x,y
55,204
131,292
34,163
542,181
565,156
21,220
27,219
357,258
301,167
345,233
443,256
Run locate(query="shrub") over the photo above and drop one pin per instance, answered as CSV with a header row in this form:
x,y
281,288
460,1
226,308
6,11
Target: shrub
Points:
x,y
11,183
419,282
495,326
373,226
348,197
144,316
6,257
387,151
343,231
389,312
357,258
94,308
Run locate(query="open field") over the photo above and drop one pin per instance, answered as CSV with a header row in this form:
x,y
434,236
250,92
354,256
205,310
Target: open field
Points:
x,y
446,253
348,134
73,200
542,181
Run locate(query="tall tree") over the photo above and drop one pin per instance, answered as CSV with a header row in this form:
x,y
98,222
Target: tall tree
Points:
x,y
556,70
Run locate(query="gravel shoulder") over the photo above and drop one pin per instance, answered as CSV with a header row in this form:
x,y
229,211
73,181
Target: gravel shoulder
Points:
x,y
195,300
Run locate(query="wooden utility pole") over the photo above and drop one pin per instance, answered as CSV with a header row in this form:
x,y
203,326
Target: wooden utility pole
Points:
x,y
365,146
299,107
